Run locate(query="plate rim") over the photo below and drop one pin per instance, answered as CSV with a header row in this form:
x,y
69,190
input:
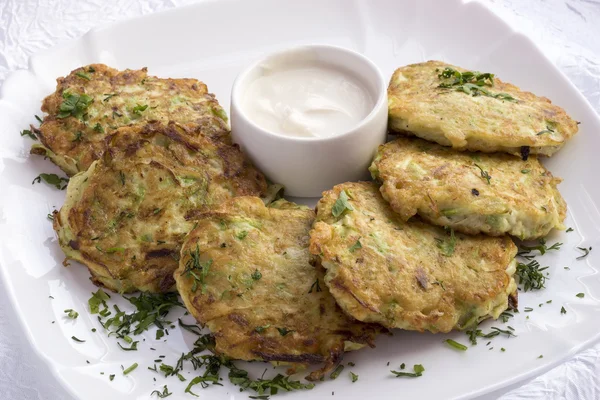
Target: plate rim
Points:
x,y
55,368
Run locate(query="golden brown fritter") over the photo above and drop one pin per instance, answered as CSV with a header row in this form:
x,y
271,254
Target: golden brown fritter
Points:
x,y
126,217
245,272
408,275
469,192
474,117
93,101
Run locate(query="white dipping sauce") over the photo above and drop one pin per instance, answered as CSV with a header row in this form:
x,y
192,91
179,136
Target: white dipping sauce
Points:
x,y
310,99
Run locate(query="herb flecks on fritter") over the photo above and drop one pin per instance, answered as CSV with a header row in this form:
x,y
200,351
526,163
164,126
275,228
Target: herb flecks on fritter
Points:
x,y
469,192
93,101
126,217
475,111
408,275
246,273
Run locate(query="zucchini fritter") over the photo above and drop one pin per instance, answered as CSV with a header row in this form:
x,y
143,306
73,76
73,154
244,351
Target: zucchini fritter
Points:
x,y
474,115
126,217
93,101
246,273
469,192
408,275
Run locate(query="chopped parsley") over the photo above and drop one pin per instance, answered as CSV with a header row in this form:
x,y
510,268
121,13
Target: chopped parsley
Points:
x,y
355,246
161,395
98,128
547,130
484,174
77,340
580,295
586,252
133,346
130,369
77,137
261,329
111,377
256,275
83,75
74,105
52,179
569,230
284,331
71,313
50,217
336,372
456,345
563,310
242,235
470,82
341,204
27,132
197,270
190,327
138,109
447,246
353,376
417,371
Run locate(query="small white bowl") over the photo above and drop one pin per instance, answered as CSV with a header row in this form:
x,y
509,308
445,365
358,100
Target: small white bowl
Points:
x,y
307,166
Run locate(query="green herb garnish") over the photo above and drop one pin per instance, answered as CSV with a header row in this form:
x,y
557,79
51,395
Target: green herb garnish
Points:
x,y
71,313
580,295
197,270
341,205
541,247
83,75
77,340
563,310
261,329
108,96
137,110
130,369
74,105
27,132
336,372
242,235
484,174
163,394
353,376
99,298
284,331
569,230
470,82
256,275
456,345
315,286
417,371
586,251
98,128
355,246
447,246
52,179
133,346
530,275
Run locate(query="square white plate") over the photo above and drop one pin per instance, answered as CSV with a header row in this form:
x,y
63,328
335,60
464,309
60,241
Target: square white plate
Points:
x,y
212,41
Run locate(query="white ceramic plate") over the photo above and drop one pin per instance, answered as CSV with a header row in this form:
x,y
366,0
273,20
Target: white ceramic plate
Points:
x,y
212,41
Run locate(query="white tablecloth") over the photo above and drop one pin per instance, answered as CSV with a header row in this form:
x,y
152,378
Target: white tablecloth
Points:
x,y
568,31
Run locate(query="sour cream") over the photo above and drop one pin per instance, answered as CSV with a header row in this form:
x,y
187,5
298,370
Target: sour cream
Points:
x,y
310,99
